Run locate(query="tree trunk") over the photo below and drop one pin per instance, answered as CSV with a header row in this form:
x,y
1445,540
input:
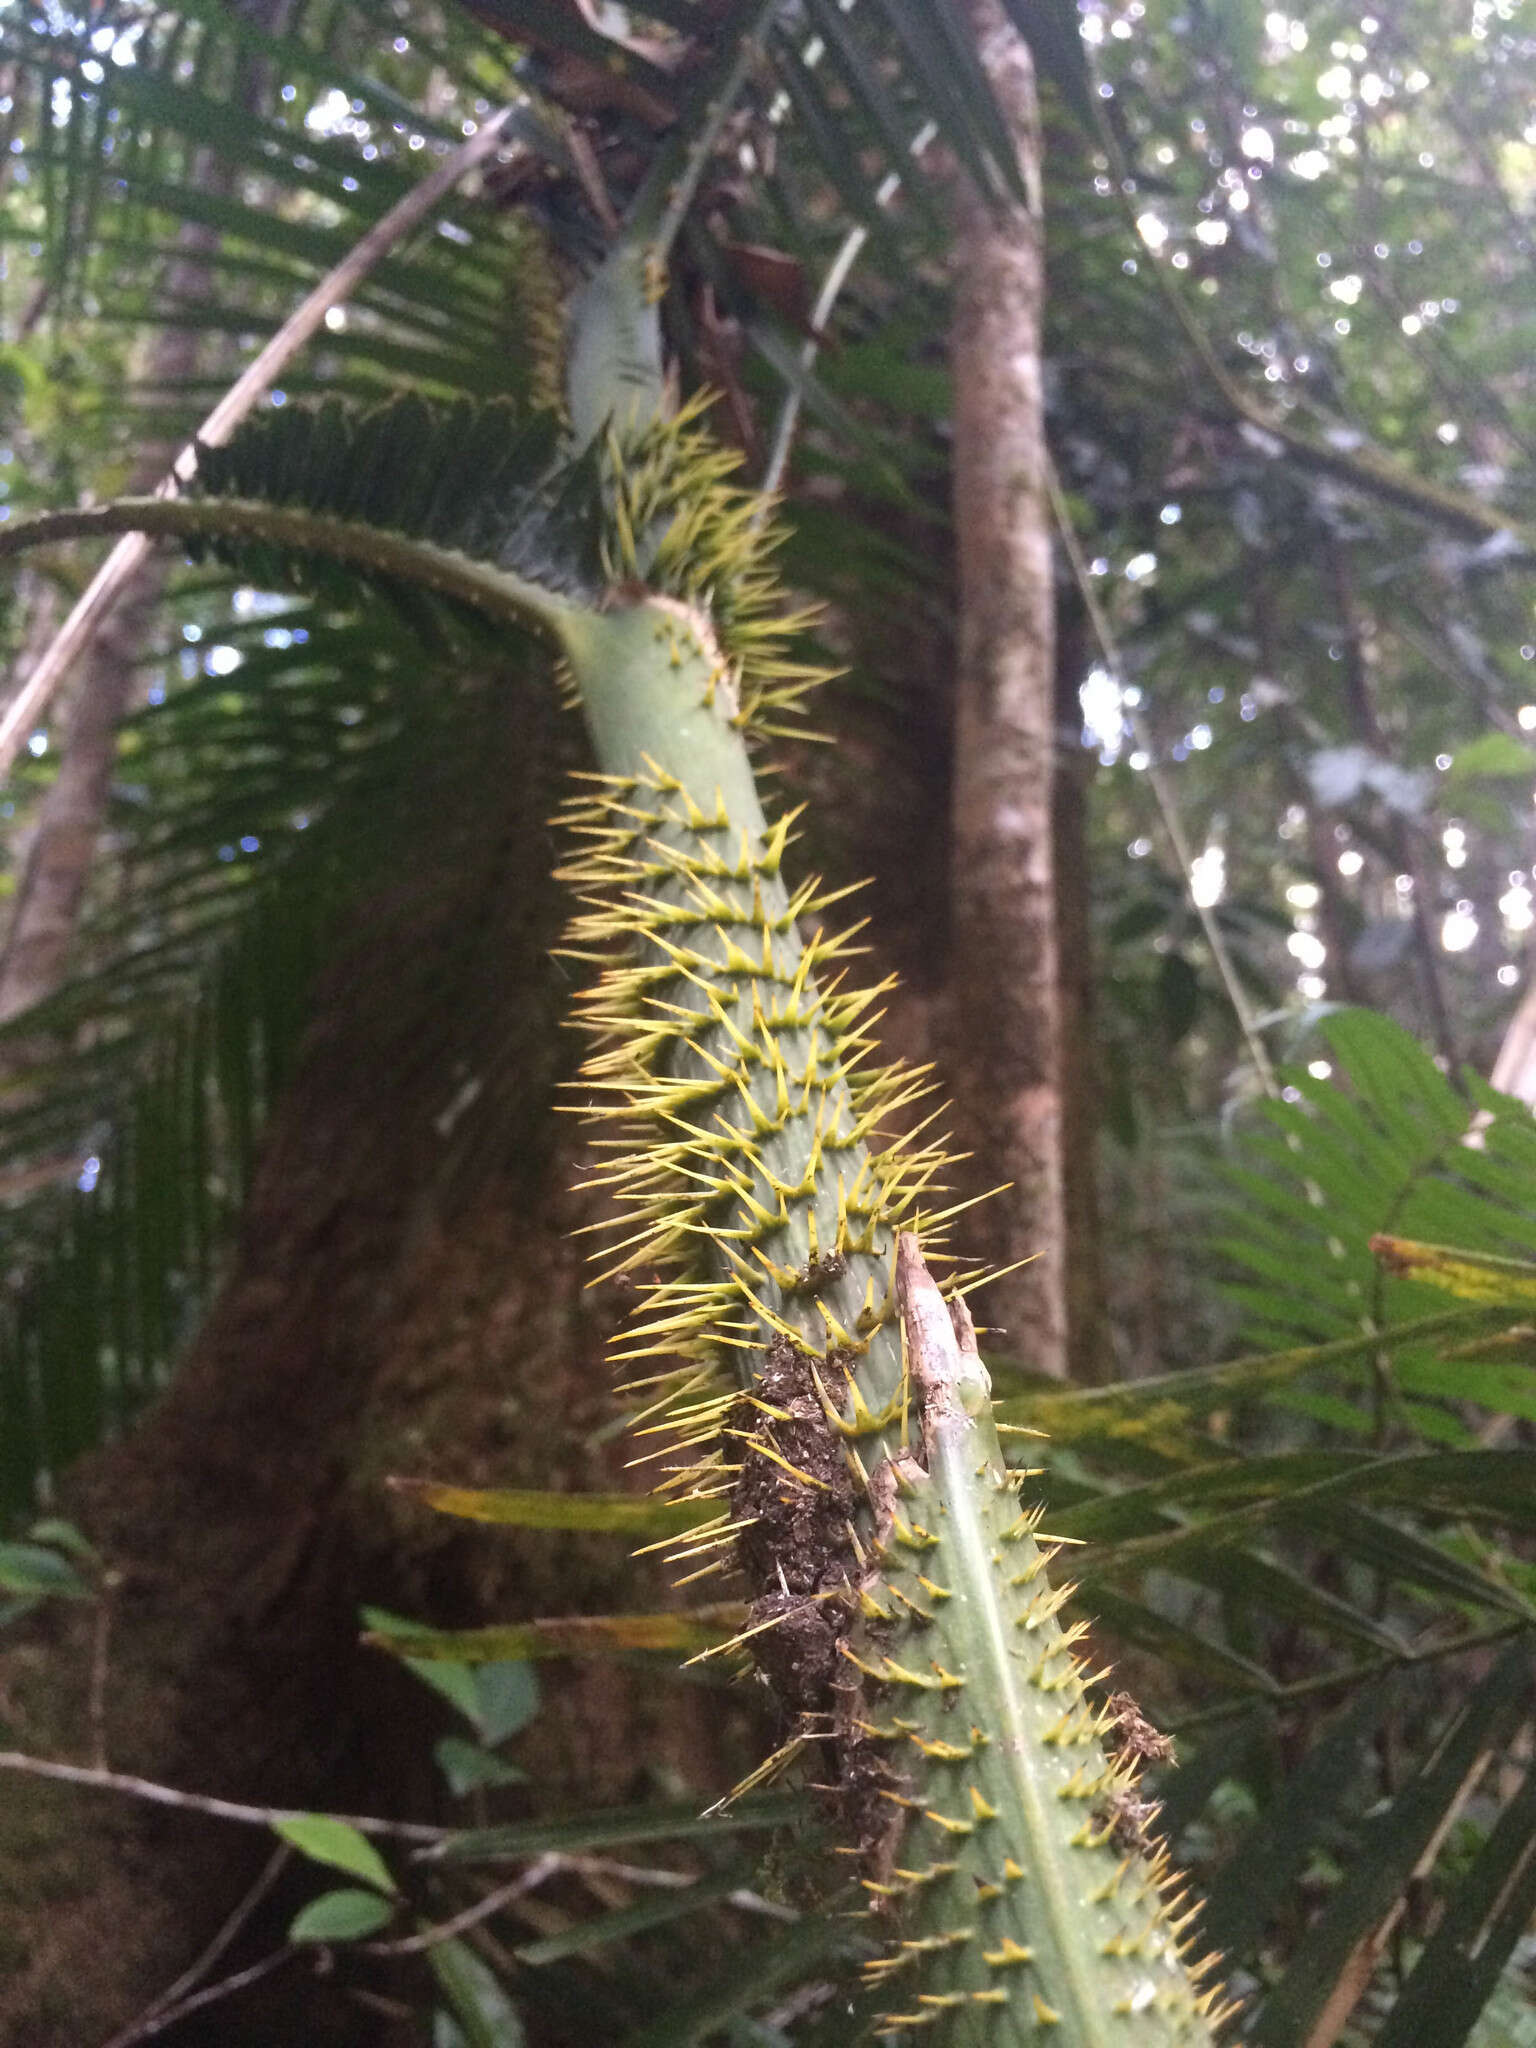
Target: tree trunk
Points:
x,y
400,1300
1005,971
63,843
1090,1361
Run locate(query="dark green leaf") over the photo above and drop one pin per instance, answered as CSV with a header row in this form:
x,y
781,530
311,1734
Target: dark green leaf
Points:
x,y
1390,1846
345,1915
29,1569
469,1768
1461,1964
506,1699
486,2016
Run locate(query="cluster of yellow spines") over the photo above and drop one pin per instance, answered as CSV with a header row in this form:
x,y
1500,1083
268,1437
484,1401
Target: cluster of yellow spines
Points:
x,y
737,1068
679,528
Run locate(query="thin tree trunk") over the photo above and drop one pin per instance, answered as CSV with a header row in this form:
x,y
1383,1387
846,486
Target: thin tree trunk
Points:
x,y
1005,971
1402,838
1514,1068
1089,1358
63,845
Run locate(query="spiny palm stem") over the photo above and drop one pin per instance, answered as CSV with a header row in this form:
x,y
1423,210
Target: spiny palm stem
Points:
x,y
815,1385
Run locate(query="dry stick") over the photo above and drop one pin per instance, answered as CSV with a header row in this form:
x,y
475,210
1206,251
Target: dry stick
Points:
x,y
836,277
483,1909
199,1802
104,588
142,2029
1163,796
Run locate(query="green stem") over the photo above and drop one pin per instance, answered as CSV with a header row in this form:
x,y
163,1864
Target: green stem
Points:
x,y
496,592
900,1602
690,828
614,368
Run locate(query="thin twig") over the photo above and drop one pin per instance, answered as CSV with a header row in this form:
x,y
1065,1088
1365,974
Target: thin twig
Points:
x,y
156,2023
626,1873
483,1909
105,587
1162,793
199,1802
196,1971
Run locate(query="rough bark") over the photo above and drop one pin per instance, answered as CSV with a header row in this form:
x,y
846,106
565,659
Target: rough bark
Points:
x,y
1005,962
398,1301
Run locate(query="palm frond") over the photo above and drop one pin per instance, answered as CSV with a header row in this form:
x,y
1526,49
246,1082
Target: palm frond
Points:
x,y
479,481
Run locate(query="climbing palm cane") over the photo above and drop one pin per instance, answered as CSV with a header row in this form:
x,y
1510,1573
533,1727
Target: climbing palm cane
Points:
x,y
802,1370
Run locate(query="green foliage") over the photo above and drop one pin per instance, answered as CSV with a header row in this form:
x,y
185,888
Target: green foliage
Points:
x,y
744,1088
345,1915
32,1572
479,2013
482,481
1387,1147
324,1839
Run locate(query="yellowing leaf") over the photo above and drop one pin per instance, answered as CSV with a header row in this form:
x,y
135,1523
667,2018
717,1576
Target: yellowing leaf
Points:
x,y
625,1514
1471,1276
577,1635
